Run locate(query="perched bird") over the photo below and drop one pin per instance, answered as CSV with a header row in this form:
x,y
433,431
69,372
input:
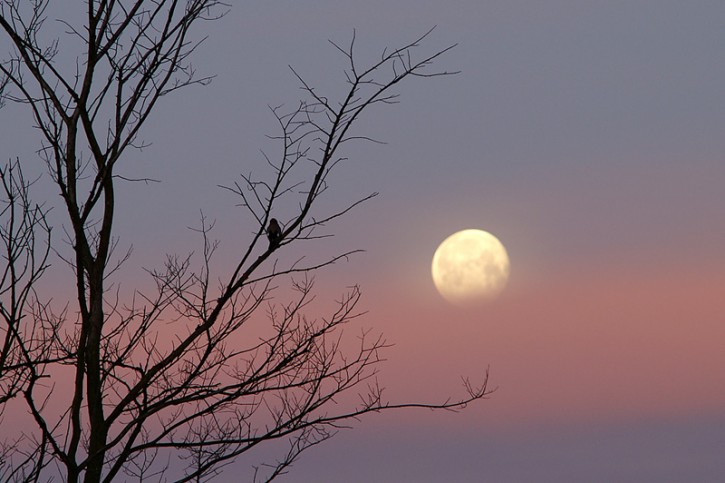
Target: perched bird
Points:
x,y
274,233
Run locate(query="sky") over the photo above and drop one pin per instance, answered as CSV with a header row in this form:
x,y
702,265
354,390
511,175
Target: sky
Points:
x,y
586,135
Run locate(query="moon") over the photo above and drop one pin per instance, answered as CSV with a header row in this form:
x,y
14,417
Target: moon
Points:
x,y
469,267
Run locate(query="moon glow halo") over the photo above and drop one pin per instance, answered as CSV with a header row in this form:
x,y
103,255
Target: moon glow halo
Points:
x,y
469,267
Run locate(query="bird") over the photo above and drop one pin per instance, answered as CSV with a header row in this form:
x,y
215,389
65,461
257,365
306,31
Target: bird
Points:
x,y
274,233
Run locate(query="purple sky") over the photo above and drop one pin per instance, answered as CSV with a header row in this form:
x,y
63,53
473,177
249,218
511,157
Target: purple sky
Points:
x,y
588,136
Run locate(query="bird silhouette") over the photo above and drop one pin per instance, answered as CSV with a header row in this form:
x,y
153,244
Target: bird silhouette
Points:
x,y
274,233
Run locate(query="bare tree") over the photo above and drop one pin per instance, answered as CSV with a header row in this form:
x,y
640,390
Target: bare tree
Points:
x,y
139,404
28,333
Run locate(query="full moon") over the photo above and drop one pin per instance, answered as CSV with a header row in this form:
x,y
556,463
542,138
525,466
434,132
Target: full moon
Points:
x,y
470,266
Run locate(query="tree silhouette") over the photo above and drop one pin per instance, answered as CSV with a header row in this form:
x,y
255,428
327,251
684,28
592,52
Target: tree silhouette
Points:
x,y
141,405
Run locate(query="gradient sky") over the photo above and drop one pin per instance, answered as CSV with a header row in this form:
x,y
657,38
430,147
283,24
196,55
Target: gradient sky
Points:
x,y
588,136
